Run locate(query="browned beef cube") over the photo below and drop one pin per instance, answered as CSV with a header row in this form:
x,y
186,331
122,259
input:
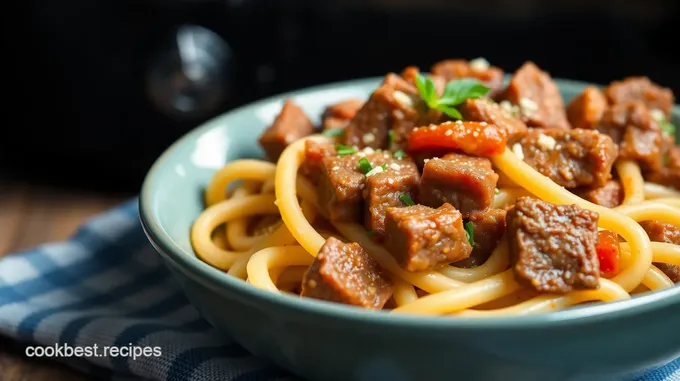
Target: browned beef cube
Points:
x,y
490,76
488,228
345,273
395,105
483,110
571,158
586,110
644,147
386,188
641,89
632,126
553,247
290,125
466,182
339,114
669,175
609,195
314,154
662,232
539,100
420,238
341,183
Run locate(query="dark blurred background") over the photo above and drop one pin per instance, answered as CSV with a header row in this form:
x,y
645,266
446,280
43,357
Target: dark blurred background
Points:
x,y
107,85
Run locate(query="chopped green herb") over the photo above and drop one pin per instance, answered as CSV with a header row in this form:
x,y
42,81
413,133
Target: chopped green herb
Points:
x,y
344,150
455,93
370,232
384,167
667,127
399,154
334,132
390,135
470,233
365,165
406,199
497,191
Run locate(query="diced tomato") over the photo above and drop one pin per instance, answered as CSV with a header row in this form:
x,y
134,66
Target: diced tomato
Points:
x,y
473,138
608,253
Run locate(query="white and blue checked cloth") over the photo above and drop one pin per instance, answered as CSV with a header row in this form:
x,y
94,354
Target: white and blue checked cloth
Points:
x,y
106,286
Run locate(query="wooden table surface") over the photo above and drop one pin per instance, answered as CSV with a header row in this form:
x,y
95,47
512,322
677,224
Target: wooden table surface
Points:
x,y
30,215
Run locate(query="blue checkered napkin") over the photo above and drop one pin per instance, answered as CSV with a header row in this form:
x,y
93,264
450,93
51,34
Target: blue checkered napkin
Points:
x,y
106,286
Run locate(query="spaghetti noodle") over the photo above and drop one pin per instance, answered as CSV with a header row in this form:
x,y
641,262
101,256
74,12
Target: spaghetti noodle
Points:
x,y
277,261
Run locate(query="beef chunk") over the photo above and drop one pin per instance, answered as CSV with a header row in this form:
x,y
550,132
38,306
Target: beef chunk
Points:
x,y
384,189
669,175
571,158
466,182
339,114
638,134
345,273
662,232
484,110
395,105
539,100
641,89
553,247
490,76
421,238
314,154
585,111
290,125
341,184
488,229
609,195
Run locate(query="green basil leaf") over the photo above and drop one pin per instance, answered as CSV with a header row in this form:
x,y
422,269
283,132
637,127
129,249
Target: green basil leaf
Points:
x,y
427,90
450,111
457,91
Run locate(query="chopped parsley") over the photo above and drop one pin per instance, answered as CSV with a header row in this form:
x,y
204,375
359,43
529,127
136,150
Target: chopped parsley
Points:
x,y
497,191
370,232
390,136
667,127
406,199
455,93
399,154
365,165
344,150
470,233
334,132
384,167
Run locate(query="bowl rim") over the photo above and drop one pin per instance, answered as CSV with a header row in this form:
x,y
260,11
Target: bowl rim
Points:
x,y
192,266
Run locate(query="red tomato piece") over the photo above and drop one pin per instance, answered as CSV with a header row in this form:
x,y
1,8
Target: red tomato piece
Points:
x,y
473,138
608,253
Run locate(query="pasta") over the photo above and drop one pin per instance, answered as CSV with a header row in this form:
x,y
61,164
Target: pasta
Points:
x,y
277,260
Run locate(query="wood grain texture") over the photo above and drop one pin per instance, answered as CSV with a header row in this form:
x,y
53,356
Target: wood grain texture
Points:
x,y
30,216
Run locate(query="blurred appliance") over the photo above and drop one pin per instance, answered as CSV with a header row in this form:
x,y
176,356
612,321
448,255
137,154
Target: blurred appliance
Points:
x,y
110,84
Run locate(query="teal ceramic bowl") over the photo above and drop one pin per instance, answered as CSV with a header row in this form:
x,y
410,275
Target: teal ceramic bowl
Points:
x,y
324,341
